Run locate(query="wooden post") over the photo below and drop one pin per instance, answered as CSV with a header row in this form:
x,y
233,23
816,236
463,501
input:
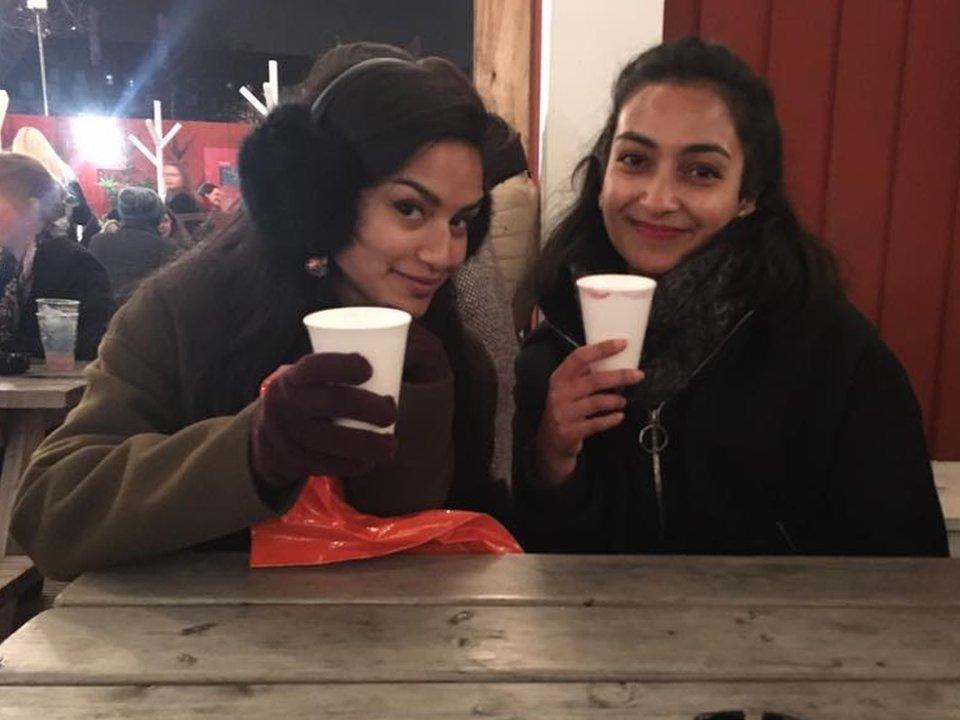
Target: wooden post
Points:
x,y
4,104
502,63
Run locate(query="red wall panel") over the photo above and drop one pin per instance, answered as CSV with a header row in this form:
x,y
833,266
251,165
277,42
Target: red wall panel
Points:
x,y
868,94
803,48
927,167
865,118
681,17
947,396
741,25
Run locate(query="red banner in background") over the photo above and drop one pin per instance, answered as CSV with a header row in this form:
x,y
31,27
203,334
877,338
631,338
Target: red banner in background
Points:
x,y
220,168
99,152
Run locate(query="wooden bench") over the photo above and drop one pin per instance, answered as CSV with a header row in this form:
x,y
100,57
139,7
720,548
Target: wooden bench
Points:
x,y
20,585
32,404
946,475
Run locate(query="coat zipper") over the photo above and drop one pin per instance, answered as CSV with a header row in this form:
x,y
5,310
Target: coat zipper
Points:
x,y
654,439
653,436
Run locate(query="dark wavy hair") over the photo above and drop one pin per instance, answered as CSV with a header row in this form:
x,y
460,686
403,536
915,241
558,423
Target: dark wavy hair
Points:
x,y
790,264
301,176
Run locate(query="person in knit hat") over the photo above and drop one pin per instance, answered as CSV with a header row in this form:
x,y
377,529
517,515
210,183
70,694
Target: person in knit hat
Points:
x,y
136,249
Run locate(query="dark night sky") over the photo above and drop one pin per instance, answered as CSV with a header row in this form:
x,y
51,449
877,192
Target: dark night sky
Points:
x,y
215,46
301,27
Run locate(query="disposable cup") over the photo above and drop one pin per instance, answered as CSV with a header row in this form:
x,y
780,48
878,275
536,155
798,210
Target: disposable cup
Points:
x,y
379,334
57,318
615,307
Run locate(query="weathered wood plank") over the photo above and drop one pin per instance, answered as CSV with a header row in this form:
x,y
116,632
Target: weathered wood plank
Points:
x,y
947,477
25,430
202,579
574,701
31,391
20,584
17,575
502,59
269,644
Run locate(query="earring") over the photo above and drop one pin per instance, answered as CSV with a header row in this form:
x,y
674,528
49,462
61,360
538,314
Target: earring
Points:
x,y
316,266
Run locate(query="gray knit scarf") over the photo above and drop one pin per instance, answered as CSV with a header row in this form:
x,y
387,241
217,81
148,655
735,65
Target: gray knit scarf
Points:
x,y
696,305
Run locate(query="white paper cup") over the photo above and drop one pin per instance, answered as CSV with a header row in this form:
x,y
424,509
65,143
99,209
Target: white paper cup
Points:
x,y
616,306
379,334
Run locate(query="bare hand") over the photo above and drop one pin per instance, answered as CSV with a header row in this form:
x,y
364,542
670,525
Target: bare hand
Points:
x,y
578,406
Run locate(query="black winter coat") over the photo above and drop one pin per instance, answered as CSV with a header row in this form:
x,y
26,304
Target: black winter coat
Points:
x,y
130,254
62,268
800,435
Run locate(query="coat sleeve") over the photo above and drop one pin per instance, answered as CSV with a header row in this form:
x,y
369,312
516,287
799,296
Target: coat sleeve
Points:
x,y
882,490
566,519
96,305
125,477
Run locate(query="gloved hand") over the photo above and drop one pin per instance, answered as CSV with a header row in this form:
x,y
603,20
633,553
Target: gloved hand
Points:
x,y
425,360
293,434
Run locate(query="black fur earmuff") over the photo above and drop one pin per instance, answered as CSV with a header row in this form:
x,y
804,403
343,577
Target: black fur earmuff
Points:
x,y
299,178
299,183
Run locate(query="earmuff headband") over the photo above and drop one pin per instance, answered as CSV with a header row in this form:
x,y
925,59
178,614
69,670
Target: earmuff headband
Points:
x,y
320,104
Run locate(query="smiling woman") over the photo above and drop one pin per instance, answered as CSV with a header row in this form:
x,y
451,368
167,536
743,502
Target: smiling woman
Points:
x,y
673,179
767,416
412,229
369,190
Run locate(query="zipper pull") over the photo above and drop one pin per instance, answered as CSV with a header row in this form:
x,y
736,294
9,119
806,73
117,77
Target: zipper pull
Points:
x,y
654,439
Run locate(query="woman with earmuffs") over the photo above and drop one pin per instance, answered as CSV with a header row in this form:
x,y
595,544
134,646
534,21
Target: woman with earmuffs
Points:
x,y
368,189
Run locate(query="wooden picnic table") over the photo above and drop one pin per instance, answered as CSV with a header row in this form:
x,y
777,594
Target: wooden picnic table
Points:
x,y
31,404
947,477
522,636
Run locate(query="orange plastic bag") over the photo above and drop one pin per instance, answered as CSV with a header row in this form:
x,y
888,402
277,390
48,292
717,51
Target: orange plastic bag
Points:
x,y
322,528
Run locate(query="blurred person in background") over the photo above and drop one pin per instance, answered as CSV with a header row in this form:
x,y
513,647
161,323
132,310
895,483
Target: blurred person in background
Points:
x,y
209,197
38,259
81,223
138,247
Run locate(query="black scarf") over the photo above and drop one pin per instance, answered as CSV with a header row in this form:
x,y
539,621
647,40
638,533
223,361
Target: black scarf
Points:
x,y
695,307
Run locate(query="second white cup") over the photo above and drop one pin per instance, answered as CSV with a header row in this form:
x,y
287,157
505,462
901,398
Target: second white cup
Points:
x,y
616,306
379,334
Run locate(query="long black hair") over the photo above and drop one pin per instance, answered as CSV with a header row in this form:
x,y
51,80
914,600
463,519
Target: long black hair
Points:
x,y
301,175
789,265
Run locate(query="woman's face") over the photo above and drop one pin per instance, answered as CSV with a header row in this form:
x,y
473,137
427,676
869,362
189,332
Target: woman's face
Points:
x,y
19,222
673,176
172,177
411,232
165,226
215,198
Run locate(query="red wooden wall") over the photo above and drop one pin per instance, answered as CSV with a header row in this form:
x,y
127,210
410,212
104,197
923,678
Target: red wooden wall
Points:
x,y
195,136
868,93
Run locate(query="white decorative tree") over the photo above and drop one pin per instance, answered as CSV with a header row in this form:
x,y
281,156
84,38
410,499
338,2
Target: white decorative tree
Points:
x,y
155,128
271,91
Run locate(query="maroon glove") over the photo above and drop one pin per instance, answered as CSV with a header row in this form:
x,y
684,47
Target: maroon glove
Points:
x,y
426,360
293,434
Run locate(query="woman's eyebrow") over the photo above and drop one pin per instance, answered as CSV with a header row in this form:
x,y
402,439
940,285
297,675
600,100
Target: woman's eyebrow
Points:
x,y
431,197
426,194
707,147
692,148
637,138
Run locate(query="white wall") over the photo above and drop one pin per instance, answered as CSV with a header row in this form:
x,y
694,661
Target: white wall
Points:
x,y
584,44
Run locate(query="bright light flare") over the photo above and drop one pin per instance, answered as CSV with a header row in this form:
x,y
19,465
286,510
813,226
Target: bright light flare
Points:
x,y
98,140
